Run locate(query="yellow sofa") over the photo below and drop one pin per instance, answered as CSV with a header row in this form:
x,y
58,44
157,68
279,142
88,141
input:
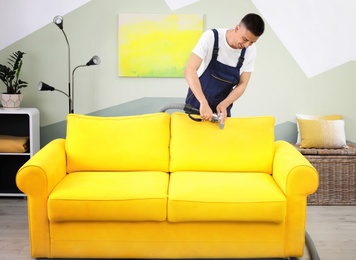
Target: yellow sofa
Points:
x,y
165,186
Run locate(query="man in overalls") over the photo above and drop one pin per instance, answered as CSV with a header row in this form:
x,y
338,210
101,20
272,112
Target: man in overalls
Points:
x,y
220,67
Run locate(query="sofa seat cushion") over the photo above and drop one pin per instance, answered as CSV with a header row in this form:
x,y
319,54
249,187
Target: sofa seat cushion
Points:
x,y
225,196
110,196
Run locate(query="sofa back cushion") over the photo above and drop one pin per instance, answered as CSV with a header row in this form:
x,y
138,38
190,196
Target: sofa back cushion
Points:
x,y
126,143
244,145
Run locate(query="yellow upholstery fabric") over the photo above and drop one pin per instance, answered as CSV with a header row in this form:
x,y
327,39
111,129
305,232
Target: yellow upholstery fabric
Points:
x,y
118,199
294,175
129,143
219,196
322,133
107,196
168,240
297,178
36,179
247,145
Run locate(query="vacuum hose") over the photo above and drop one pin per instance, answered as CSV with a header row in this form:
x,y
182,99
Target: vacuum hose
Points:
x,y
190,110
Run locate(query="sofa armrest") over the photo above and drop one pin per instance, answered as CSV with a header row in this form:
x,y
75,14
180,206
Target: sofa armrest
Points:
x,y
41,173
37,178
292,171
297,178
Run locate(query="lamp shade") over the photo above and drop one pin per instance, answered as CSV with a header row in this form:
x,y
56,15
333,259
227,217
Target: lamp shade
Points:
x,y
94,61
44,87
58,20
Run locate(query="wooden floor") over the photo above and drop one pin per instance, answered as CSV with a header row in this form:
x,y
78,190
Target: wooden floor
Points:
x,y
333,229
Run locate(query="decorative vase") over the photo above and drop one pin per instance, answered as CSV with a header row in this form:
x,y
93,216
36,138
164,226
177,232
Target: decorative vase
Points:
x,y
11,101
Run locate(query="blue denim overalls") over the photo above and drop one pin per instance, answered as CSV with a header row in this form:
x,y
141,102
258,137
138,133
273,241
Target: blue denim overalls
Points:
x,y
218,80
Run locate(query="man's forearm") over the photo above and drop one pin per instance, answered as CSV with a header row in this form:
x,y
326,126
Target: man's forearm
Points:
x,y
195,86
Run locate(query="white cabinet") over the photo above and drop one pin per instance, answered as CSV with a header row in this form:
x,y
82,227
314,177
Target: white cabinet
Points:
x,y
19,122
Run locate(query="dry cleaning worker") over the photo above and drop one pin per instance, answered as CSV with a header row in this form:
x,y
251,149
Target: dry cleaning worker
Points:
x,y
220,67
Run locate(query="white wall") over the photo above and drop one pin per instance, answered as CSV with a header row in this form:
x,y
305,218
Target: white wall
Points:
x,y
278,86
33,15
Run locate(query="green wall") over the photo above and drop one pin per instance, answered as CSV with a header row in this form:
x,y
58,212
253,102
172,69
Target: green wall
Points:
x,y
278,86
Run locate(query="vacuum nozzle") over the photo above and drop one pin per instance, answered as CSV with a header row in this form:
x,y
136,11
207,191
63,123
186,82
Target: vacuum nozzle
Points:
x,y
218,118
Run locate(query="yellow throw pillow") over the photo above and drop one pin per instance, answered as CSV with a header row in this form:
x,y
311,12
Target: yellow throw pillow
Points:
x,y
312,117
322,133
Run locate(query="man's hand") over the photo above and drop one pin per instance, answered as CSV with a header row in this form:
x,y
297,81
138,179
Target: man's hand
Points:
x,y
205,111
222,110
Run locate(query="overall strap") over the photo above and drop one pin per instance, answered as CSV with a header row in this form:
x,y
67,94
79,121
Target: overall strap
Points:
x,y
241,58
216,44
216,50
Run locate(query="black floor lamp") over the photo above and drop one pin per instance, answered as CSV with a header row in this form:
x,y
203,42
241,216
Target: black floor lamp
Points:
x,y
95,60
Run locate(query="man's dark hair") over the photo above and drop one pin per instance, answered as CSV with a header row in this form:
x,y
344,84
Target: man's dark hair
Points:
x,y
254,23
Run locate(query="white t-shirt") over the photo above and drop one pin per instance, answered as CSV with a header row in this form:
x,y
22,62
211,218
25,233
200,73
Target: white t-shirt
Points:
x,y
227,55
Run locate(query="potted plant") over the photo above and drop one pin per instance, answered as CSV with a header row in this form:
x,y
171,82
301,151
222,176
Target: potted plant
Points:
x,y
10,76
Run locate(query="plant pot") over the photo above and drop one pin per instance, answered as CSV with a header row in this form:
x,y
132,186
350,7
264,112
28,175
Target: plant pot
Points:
x,y
11,101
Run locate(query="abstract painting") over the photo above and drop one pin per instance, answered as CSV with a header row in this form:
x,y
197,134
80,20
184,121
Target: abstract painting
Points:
x,y
156,45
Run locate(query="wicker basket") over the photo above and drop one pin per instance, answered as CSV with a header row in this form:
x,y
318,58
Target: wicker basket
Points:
x,y
337,175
